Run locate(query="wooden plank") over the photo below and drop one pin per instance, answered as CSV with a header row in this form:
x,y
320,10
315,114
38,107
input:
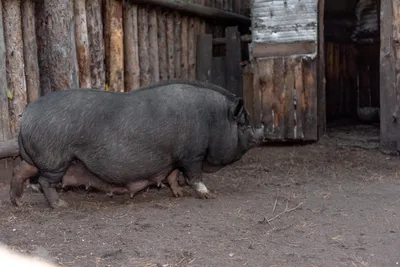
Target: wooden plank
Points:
x,y
281,50
299,98
15,62
177,44
290,129
82,44
248,92
184,48
199,10
143,36
218,71
30,50
204,58
115,67
153,47
162,45
233,59
264,98
310,99
389,77
278,106
96,43
131,47
192,49
321,81
170,45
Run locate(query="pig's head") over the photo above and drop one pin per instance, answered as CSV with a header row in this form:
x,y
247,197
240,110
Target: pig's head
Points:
x,y
247,136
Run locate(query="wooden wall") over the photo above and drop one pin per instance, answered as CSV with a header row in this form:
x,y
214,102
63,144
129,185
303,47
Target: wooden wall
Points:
x,y
286,93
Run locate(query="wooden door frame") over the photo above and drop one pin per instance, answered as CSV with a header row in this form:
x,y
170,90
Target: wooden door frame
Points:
x,y
321,81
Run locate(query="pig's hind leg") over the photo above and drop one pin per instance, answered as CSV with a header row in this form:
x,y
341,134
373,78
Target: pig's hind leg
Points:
x,y
172,179
48,181
20,174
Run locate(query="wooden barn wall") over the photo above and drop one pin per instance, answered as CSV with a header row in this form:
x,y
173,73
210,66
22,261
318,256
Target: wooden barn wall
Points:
x,y
287,92
284,46
352,57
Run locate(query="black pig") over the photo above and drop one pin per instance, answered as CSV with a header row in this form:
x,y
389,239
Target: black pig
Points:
x,y
133,139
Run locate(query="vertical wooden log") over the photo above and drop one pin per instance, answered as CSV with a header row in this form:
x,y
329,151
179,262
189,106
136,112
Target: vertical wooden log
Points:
x,y
96,43
114,36
204,58
321,94
5,133
184,48
233,59
131,47
82,44
298,85
162,45
30,50
15,62
153,47
144,62
192,48
170,45
389,77
56,41
177,43
248,90
310,96
290,131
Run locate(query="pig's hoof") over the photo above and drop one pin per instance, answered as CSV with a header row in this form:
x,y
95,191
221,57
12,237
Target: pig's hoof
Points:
x,y
202,191
177,191
17,202
60,204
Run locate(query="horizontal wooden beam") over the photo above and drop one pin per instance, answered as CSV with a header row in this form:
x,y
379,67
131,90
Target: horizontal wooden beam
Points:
x,y
198,10
281,50
222,40
9,148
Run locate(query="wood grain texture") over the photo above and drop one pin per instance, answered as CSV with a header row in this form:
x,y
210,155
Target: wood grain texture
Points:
x,y
131,47
30,50
96,43
82,44
14,62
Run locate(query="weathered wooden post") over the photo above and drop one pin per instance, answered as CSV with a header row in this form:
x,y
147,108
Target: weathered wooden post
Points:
x,y
30,50
390,77
204,58
232,61
82,44
16,90
114,41
56,45
131,48
5,133
96,43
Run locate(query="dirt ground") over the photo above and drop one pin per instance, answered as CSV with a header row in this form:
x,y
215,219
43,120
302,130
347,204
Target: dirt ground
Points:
x,y
342,209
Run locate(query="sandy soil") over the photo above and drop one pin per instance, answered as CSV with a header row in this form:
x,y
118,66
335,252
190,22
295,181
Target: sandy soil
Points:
x,y
342,209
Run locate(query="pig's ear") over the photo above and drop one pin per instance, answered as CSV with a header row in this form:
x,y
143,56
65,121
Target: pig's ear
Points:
x,y
238,108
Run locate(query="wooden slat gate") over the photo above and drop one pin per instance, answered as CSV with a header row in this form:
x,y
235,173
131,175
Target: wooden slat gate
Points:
x,y
284,60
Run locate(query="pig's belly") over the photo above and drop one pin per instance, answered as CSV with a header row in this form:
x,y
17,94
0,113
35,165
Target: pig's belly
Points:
x,y
123,171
